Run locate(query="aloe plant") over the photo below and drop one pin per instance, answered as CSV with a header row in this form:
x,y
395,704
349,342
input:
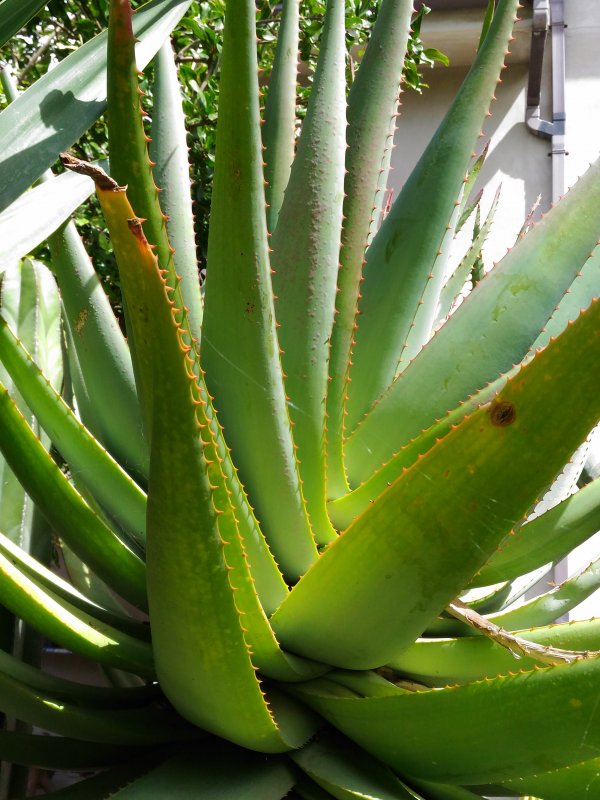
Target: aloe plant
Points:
x,y
297,522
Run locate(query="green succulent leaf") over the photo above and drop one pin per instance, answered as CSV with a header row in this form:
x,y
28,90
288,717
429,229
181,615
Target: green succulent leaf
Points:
x,y
214,771
518,295
305,258
58,752
94,466
471,477
168,149
16,13
192,499
403,266
56,110
372,105
279,132
35,215
439,662
346,771
506,721
577,780
101,352
548,537
240,351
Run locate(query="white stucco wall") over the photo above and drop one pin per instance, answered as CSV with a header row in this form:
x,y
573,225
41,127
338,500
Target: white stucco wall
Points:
x,y
517,159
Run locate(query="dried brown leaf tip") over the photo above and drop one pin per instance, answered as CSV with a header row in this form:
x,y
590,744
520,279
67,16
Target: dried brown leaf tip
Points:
x,y
97,174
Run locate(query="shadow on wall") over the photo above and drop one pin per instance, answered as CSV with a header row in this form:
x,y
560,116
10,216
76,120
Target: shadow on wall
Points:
x,y
517,159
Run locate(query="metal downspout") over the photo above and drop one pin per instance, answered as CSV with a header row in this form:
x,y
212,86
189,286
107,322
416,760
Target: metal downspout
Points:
x,y
549,14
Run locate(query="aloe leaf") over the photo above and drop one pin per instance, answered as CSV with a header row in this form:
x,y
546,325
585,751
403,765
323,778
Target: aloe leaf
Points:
x,y
16,13
347,772
279,132
62,590
38,213
578,780
54,112
347,508
217,772
403,266
509,722
103,785
29,296
64,508
468,202
128,143
266,573
487,21
372,104
63,689
54,752
549,537
88,584
148,725
518,296
102,352
455,283
94,466
182,498
239,339
439,791
433,558
68,625
553,604
30,300
168,149
305,258
437,662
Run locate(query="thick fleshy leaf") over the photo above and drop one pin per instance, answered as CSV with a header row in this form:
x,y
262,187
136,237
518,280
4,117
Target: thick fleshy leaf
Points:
x,y
111,557
54,112
438,662
68,625
216,772
65,592
39,212
508,722
279,132
239,340
189,615
64,689
548,537
372,104
149,725
54,752
93,465
404,274
168,149
16,13
305,258
446,514
518,296
347,772
102,354
579,780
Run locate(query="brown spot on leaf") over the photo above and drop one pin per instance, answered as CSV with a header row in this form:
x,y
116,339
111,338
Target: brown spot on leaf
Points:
x,y
81,320
502,413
